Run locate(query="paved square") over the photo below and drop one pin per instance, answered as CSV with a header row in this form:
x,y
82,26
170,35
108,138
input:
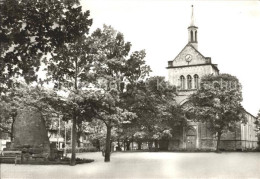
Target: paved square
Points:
x,y
146,165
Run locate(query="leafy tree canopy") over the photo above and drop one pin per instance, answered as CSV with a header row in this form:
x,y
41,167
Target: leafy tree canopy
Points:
x,y
218,102
154,104
31,29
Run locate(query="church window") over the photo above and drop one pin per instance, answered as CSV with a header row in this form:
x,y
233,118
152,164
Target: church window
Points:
x,y
191,36
196,81
182,78
189,82
195,36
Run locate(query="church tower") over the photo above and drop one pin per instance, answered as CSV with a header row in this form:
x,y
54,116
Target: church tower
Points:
x,y
193,31
189,66
185,72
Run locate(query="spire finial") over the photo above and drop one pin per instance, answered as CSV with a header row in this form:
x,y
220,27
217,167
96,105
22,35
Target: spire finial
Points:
x,y
192,17
192,29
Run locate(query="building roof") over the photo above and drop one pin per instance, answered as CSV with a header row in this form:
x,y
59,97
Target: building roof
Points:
x,y
250,114
190,45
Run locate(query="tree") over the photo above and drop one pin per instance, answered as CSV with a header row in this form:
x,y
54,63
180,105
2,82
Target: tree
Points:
x,y
96,131
76,106
218,102
31,29
69,65
7,117
116,70
153,102
110,114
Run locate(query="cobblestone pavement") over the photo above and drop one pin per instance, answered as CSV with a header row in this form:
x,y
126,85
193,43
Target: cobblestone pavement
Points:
x,y
146,165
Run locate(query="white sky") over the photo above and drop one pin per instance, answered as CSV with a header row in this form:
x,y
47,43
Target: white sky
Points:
x,y
229,33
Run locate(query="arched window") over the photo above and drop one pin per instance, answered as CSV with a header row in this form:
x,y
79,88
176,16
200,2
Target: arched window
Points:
x,y
191,36
195,36
182,79
189,82
196,81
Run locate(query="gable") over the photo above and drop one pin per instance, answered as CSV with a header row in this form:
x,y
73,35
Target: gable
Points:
x,y
196,57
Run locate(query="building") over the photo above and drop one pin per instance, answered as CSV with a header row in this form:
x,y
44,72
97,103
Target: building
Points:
x,y
185,71
4,140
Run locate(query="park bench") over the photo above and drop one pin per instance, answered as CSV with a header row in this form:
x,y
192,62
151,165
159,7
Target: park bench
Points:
x,y
41,155
16,155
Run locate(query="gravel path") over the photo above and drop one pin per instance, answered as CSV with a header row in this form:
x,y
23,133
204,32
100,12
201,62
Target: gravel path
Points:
x,y
146,165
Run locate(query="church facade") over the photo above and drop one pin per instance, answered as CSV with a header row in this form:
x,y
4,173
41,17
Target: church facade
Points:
x,y
185,71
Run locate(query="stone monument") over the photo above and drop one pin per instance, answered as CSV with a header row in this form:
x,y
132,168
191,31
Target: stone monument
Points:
x,y
30,131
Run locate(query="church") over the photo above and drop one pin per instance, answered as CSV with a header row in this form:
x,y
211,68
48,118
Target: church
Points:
x,y
185,71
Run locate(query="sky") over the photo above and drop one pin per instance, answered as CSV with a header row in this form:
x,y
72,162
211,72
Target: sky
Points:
x,y
229,33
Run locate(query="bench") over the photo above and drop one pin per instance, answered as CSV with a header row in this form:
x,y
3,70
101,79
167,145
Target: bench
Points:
x,y
41,155
16,155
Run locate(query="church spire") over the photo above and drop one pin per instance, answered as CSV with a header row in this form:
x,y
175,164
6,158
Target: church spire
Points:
x,y
192,17
192,31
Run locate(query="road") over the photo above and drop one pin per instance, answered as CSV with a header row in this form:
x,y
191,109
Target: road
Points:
x,y
146,165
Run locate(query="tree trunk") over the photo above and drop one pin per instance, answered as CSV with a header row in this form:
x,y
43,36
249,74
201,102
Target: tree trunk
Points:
x,y
12,129
98,144
156,144
132,142
74,141
78,143
118,145
78,138
11,136
139,145
74,123
124,145
218,141
150,144
107,149
128,145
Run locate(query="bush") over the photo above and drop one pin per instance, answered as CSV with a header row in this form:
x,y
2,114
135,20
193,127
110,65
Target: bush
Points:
x,y
83,149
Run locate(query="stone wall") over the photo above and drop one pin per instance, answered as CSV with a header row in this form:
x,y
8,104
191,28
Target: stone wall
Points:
x,y
248,133
175,73
230,145
229,140
207,144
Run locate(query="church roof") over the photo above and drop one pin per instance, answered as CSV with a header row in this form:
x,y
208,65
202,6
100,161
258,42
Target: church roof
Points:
x,y
249,114
195,49
190,45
